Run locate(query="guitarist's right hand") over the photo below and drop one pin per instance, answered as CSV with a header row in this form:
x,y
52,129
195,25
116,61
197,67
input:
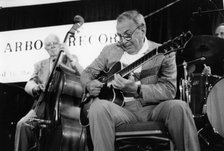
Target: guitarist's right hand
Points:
x,y
94,87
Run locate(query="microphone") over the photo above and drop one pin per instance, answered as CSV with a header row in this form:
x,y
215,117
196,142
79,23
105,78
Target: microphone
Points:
x,y
198,59
192,61
202,58
198,12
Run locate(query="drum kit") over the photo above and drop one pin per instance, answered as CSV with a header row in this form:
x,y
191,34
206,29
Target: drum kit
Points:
x,y
204,92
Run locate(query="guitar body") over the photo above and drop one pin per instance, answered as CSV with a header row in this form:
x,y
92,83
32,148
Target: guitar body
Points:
x,y
107,93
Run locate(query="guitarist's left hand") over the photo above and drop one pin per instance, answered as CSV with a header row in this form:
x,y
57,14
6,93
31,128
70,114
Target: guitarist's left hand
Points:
x,y
127,85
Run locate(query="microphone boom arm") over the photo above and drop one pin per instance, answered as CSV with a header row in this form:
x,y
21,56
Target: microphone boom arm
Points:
x,y
208,11
161,9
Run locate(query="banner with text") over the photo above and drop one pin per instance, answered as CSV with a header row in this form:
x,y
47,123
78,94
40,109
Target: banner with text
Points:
x,y
20,49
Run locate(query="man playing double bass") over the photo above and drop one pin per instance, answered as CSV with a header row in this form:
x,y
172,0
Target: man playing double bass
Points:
x,y
24,136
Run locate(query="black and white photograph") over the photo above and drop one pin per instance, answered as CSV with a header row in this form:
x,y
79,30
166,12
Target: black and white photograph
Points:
x,y
112,75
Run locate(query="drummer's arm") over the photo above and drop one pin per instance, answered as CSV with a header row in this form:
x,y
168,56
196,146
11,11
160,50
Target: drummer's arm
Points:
x,y
206,70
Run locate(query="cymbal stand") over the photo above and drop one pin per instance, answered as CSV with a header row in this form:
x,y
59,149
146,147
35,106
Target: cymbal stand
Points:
x,y
185,89
207,86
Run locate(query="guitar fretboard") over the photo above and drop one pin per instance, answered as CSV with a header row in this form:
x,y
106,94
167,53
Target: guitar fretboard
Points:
x,y
172,45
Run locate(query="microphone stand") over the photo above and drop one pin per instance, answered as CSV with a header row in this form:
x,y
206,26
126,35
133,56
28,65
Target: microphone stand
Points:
x,y
185,95
161,9
185,82
207,11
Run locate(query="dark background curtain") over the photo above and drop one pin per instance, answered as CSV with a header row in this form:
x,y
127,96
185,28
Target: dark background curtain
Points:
x,y
161,27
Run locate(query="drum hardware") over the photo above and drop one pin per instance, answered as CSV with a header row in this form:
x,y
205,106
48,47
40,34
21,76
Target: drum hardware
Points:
x,y
185,82
207,135
215,105
202,92
201,136
207,86
204,109
205,92
194,89
206,102
184,87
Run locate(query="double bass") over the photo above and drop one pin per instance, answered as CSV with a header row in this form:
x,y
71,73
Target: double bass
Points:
x,y
60,104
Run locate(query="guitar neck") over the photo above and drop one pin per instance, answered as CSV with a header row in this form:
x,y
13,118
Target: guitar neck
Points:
x,y
175,44
136,64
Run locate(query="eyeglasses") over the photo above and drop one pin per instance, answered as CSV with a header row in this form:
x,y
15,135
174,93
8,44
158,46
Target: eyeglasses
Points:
x,y
127,36
50,44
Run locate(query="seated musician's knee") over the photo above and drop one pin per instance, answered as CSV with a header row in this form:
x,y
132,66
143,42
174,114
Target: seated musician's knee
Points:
x,y
98,107
180,103
178,107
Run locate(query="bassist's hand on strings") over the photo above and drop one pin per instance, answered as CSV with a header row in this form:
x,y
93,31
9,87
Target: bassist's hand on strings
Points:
x,y
94,87
67,52
127,85
38,89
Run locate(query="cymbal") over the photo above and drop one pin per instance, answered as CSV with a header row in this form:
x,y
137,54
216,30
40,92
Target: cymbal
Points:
x,y
210,47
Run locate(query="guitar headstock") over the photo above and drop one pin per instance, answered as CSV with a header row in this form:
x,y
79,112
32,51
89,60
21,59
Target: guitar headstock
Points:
x,y
178,43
